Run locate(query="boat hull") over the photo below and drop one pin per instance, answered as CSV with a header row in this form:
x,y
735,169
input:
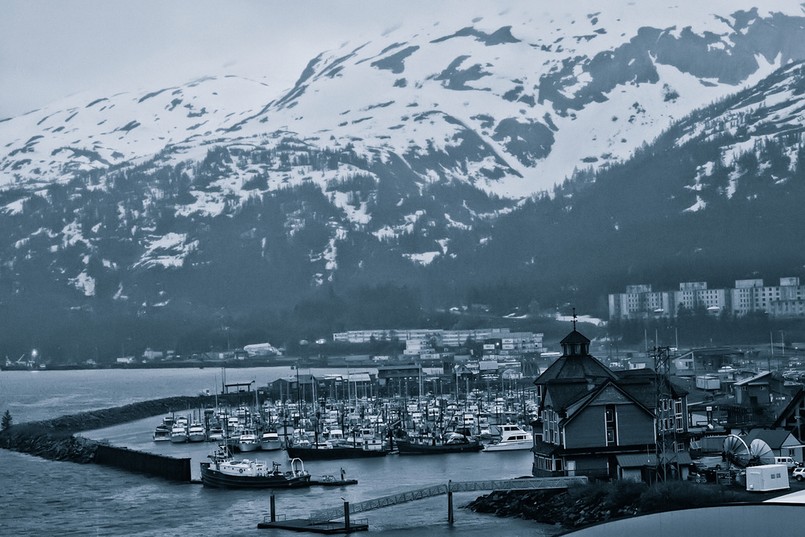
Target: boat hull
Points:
x,y
509,446
210,477
320,454
406,447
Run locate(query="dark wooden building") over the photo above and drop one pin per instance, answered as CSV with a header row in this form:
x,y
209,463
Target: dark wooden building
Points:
x,y
589,415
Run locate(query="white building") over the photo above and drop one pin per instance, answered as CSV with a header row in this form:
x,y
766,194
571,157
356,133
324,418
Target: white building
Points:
x,y
640,302
513,342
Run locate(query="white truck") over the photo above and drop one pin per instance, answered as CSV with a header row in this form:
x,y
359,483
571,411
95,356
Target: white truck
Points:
x,y
767,477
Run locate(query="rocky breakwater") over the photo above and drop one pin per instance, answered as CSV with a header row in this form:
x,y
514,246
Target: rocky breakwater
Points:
x,y
549,507
590,504
55,439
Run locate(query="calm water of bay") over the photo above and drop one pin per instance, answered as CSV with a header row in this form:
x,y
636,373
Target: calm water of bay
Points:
x,y
40,497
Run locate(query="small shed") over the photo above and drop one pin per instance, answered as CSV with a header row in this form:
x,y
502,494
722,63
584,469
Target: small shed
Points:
x,y
767,477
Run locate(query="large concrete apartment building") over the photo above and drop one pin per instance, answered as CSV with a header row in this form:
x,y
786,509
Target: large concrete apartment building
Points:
x,y
641,302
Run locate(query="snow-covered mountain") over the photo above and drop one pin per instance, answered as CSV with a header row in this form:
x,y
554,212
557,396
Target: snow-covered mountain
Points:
x,y
395,159
543,92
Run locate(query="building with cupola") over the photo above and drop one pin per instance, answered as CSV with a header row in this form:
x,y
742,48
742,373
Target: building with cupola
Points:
x,y
602,424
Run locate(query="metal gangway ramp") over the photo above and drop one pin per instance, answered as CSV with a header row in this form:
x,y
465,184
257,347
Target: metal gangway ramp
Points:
x,y
533,483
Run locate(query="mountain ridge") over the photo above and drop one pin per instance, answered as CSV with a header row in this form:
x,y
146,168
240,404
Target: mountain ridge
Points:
x,y
442,161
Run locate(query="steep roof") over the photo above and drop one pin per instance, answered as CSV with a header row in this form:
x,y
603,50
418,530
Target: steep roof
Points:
x,y
773,437
764,375
560,393
641,384
596,393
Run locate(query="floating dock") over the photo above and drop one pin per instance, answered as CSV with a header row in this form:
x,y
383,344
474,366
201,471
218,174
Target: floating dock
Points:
x,y
324,527
312,526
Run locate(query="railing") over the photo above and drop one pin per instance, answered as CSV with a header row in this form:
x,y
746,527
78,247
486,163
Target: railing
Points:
x,y
453,486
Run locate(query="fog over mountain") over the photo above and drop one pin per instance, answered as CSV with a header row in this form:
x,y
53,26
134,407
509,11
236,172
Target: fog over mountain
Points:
x,y
511,156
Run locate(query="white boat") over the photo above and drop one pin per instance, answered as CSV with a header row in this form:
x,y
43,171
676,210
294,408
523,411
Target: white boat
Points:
x,y
216,433
162,434
196,432
248,442
270,441
512,437
179,434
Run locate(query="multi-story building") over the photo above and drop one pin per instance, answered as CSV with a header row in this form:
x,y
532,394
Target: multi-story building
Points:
x,y
748,296
694,295
790,301
640,302
511,342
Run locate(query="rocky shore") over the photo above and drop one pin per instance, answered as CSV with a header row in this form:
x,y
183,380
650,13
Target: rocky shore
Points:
x,y
595,503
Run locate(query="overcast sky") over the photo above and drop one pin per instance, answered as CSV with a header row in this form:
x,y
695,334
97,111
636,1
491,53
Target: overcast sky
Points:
x,y
50,49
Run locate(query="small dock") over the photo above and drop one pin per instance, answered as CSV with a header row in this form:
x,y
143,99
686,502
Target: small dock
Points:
x,y
324,527
311,526
331,481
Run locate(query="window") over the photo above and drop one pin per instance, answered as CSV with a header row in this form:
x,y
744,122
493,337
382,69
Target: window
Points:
x,y
611,425
550,427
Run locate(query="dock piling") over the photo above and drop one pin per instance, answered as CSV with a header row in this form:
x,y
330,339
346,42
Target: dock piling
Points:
x,y
346,516
450,517
272,503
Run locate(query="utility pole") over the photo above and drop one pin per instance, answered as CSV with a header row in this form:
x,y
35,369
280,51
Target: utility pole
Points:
x,y
665,439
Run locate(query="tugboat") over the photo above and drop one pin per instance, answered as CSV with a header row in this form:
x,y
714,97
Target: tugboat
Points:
x,y
223,471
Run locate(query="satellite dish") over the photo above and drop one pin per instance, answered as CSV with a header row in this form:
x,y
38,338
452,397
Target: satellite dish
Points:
x,y
736,451
760,453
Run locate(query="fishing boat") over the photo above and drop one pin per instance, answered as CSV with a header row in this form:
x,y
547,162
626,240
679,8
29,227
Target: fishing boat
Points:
x,y
224,471
325,451
432,445
512,438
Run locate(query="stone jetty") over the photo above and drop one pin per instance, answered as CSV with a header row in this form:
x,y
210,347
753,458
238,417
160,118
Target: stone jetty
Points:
x,y
55,439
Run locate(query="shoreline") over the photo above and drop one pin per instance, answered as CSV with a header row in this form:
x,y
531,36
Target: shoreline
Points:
x,y
595,503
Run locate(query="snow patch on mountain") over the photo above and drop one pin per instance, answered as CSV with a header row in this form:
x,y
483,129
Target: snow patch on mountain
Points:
x,y
168,251
84,283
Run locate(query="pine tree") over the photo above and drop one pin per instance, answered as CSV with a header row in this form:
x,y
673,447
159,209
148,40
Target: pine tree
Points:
x,y
7,420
